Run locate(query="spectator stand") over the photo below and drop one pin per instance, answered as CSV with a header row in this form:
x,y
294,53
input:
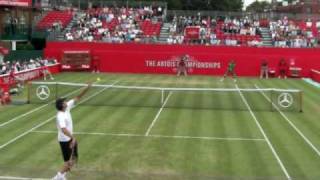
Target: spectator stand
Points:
x,y
120,22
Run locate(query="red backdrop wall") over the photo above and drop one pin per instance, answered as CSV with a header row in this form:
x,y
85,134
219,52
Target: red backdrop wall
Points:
x,y
206,60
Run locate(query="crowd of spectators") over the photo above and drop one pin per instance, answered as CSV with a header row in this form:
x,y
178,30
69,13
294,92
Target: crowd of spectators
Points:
x,y
215,31
114,25
16,66
289,33
244,31
125,24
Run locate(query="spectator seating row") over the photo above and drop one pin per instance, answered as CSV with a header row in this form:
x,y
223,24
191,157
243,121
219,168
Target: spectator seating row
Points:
x,y
149,28
61,17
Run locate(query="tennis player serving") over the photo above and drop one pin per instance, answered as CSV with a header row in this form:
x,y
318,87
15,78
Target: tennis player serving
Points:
x,y
67,141
231,71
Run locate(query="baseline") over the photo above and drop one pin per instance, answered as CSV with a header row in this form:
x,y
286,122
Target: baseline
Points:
x,y
157,136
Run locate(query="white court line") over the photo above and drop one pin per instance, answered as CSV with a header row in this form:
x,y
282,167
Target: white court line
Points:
x,y
48,120
21,178
156,136
158,114
265,136
32,111
291,123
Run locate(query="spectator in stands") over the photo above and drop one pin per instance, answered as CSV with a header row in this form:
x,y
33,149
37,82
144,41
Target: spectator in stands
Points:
x,y
32,64
203,35
283,69
8,25
5,68
1,68
14,23
170,40
264,69
180,39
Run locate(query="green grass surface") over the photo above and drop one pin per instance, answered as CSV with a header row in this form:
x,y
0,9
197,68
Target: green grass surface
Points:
x,y
184,142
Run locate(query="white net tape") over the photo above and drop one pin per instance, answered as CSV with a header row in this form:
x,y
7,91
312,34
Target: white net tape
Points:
x,y
170,88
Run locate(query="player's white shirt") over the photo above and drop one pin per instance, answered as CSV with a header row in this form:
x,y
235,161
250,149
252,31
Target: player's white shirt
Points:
x,y
64,120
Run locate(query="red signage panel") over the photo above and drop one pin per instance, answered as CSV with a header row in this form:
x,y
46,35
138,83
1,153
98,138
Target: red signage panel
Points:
x,y
192,32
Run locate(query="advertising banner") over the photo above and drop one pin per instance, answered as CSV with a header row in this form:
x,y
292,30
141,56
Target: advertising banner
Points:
x,y
202,60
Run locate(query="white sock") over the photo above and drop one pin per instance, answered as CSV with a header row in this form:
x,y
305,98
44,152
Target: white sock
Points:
x,y
57,176
61,176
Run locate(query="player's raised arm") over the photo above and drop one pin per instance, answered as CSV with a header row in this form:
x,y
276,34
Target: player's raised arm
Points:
x,y
83,92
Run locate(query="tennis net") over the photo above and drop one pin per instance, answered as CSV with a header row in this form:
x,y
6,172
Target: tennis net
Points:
x,y
171,97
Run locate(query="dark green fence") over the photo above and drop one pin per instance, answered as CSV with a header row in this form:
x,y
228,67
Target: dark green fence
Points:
x,y
23,55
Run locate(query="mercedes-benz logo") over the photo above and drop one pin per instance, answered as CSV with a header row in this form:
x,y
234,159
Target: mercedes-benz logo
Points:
x,y
285,100
43,92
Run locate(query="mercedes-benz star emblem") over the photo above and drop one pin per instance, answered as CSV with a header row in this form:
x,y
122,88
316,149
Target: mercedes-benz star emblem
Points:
x,y
285,100
43,92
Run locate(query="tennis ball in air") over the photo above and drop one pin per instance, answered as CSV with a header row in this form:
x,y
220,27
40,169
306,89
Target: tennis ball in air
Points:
x,y
98,79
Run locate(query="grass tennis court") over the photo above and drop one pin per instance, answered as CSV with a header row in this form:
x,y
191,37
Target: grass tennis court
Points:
x,y
156,142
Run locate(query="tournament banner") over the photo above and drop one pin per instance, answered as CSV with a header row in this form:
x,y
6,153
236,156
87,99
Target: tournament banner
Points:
x,y
192,32
192,64
204,60
21,3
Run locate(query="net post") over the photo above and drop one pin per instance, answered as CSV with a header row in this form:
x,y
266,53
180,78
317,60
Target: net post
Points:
x,y
271,100
56,94
29,92
300,99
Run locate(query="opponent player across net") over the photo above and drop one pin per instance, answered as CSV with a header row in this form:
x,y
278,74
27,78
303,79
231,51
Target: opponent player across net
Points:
x,y
230,71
